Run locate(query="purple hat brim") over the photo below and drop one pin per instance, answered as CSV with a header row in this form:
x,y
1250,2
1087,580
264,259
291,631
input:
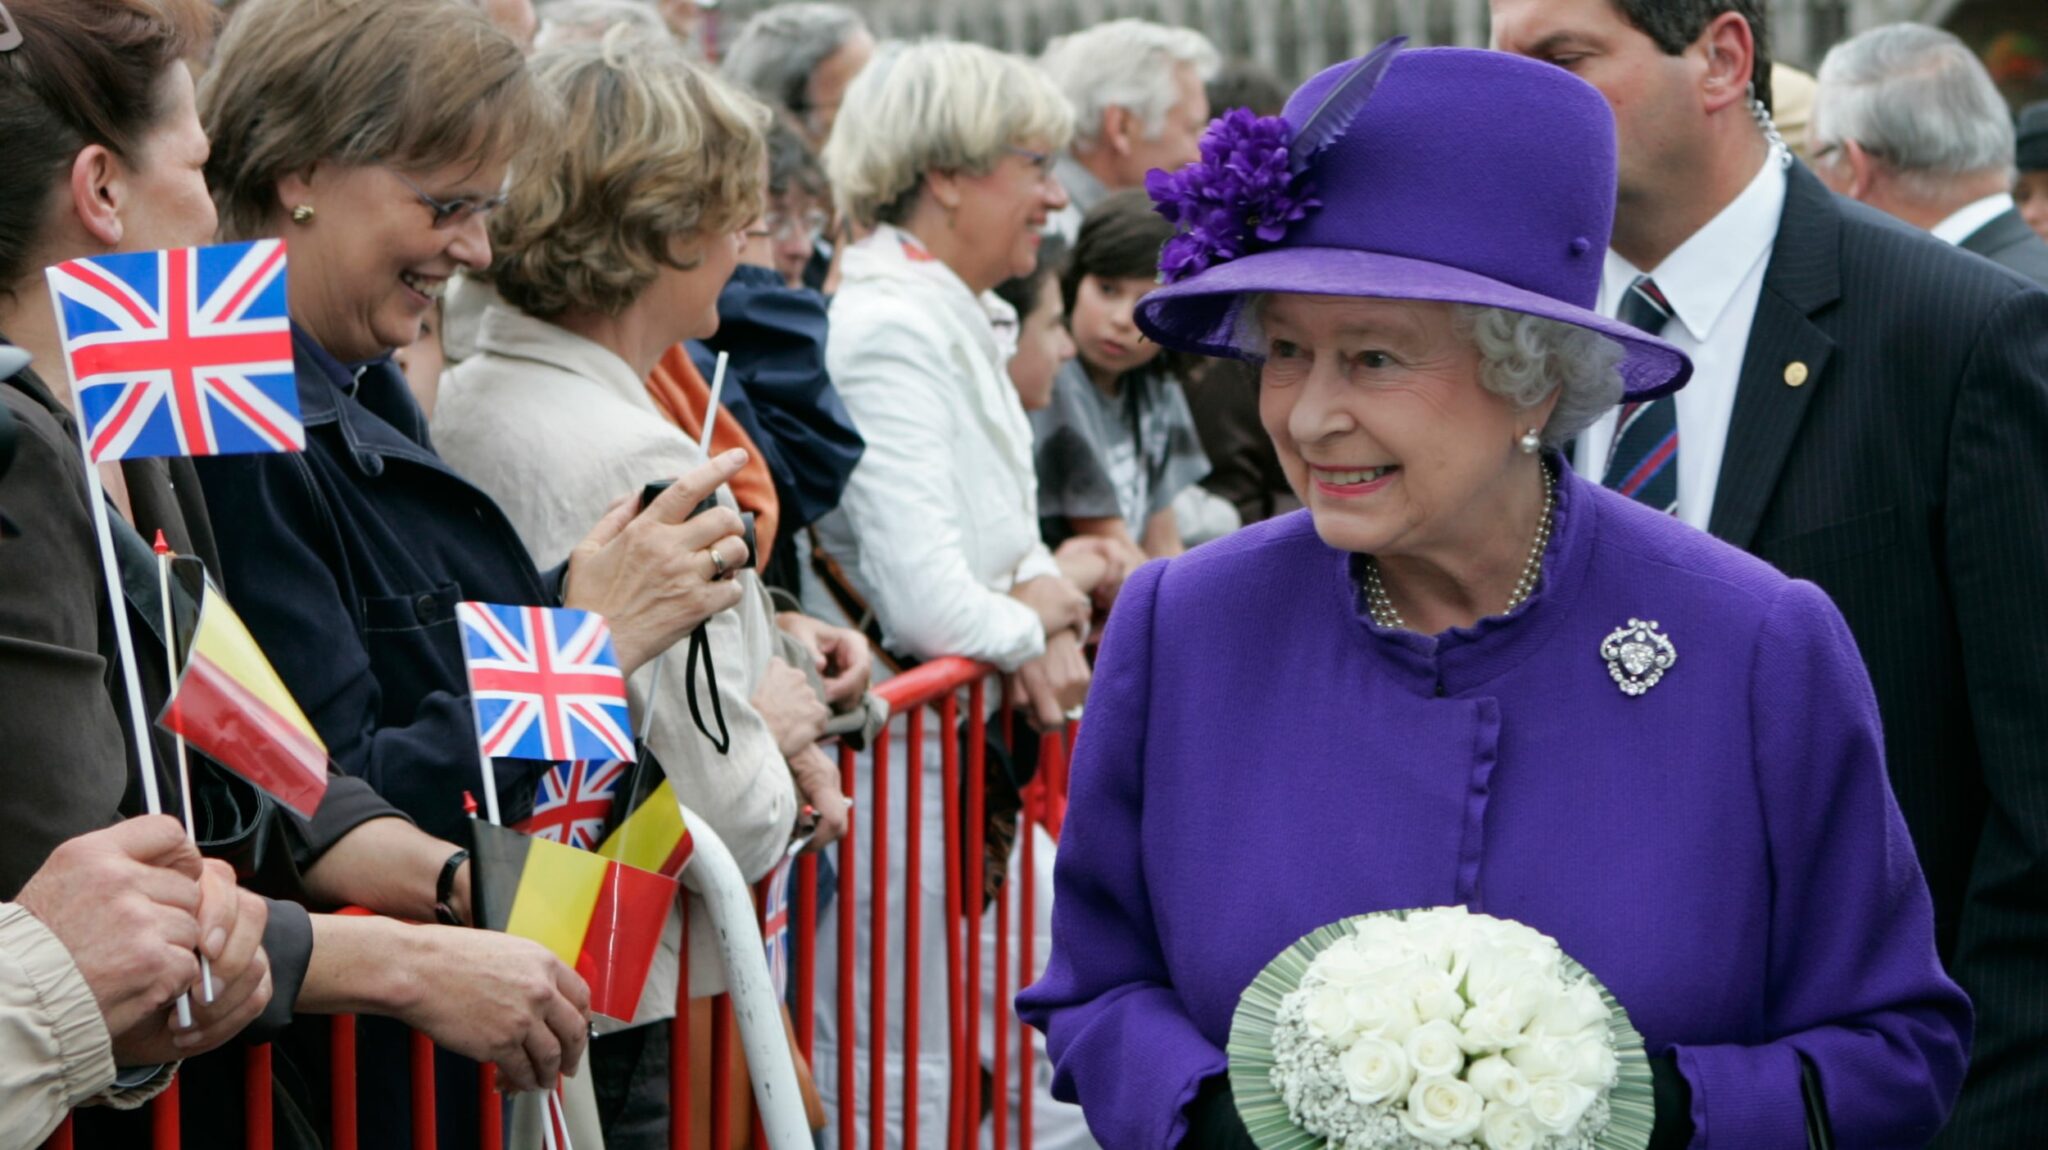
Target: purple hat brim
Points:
x,y
1201,313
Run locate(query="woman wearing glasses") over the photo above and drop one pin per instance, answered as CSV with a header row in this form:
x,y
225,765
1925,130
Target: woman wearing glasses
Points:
x,y
375,138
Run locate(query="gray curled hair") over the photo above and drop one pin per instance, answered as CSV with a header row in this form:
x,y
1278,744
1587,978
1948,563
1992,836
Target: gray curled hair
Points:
x,y
1524,358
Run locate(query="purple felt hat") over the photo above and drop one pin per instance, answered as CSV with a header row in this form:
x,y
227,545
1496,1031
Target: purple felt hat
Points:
x,y
1444,174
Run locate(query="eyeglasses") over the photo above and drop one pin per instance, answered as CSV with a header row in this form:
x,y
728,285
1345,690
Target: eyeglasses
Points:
x,y
777,226
456,212
1043,161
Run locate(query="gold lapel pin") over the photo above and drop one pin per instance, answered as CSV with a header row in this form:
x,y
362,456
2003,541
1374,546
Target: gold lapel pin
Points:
x,y
1795,374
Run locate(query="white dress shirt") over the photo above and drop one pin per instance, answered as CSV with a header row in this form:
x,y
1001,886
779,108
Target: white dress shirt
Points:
x,y
1713,282
1970,217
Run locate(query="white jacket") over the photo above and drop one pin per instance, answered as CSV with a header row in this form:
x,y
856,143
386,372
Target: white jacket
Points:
x,y
555,428
940,518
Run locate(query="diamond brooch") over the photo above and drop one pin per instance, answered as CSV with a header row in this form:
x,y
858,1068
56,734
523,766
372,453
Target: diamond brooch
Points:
x,y
1637,656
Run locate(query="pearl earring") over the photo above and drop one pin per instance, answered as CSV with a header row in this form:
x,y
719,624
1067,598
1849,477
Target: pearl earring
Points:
x,y
1530,443
302,213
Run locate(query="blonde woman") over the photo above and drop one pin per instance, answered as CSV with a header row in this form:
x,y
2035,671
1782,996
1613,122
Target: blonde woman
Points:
x,y
614,242
943,157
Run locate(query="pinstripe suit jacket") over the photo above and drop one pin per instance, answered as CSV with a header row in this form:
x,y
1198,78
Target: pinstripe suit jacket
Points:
x,y
1905,470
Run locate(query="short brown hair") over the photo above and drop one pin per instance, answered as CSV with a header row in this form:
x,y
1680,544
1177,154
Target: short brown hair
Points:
x,y
649,149
417,83
87,72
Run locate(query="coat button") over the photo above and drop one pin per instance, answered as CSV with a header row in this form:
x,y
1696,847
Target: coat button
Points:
x,y
427,609
1795,374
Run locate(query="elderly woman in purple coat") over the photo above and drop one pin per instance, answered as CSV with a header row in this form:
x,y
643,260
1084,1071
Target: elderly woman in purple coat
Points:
x,y
1464,675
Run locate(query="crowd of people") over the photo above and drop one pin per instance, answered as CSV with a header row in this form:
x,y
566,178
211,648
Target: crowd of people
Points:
x,y
1330,480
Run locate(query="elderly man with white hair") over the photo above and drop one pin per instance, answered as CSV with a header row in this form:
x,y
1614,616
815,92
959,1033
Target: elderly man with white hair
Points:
x,y
1907,120
801,58
1139,104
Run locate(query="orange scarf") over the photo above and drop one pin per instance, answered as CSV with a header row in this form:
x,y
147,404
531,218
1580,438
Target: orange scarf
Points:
x,y
682,395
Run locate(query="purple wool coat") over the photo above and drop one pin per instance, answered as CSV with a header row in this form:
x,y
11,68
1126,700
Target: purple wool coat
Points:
x,y
1259,759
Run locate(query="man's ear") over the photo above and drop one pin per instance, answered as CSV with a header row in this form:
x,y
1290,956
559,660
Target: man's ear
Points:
x,y
1865,170
1730,51
99,190
1119,129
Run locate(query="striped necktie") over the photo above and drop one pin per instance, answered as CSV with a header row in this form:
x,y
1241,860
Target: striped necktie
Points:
x,y
1642,462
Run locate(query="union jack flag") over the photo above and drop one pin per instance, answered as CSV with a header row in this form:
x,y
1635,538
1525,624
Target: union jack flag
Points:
x,y
544,683
574,803
775,923
181,352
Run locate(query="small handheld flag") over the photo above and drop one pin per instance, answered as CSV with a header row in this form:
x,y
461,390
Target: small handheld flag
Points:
x,y
654,836
180,352
775,922
544,683
573,803
230,704
598,915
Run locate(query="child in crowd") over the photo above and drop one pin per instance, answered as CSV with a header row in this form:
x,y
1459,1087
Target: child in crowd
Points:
x,y
1117,443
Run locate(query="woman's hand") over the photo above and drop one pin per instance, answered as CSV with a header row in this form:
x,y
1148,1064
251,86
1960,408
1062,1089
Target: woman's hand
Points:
x,y
791,708
1053,684
817,780
231,922
1060,605
651,573
1098,566
842,654
499,999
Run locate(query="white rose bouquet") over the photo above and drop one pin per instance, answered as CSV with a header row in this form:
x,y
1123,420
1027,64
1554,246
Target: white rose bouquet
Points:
x,y
1436,1028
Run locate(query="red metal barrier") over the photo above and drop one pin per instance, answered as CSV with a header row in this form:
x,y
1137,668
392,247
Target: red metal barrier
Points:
x,y
937,688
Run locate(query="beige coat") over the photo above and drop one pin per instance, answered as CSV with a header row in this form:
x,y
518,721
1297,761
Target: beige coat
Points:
x,y
556,428
55,1052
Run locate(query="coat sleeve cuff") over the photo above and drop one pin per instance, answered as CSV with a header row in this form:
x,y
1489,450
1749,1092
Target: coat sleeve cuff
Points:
x,y
288,944
132,1089
1744,1096
84,1049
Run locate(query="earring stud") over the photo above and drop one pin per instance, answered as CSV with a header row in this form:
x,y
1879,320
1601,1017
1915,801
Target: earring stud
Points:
x,y
1531,442
302,213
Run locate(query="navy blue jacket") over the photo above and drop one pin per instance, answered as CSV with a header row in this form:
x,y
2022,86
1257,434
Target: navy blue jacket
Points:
x,y
347,561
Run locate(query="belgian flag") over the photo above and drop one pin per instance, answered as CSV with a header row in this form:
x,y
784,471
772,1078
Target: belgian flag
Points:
x,y
597,914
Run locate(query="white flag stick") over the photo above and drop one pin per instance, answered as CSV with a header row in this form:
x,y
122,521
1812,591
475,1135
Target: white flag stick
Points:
x,y
163,589
711,410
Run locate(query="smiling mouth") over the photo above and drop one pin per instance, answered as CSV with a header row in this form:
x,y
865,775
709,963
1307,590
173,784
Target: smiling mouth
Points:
x,y
431,287
1354,478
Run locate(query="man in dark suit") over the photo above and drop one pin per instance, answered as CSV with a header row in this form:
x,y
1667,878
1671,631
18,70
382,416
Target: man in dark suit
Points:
x,y
1870,412
1907,120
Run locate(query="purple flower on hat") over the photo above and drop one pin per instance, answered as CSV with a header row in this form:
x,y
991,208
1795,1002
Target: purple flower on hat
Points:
x,y
1241,195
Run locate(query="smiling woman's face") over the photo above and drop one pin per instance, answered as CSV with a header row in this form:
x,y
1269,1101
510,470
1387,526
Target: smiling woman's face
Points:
x,y
371,263
1382,425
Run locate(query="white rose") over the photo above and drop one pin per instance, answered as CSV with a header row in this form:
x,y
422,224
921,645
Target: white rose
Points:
x,y
1544,1058
1497,1080
1496,1023
1344,965
1508,1128
1434,1050
1573,1011
1328,1015
1435,995
1442,1111
1557,1104
1594,1064
1375,1010
1375,1071
1443,936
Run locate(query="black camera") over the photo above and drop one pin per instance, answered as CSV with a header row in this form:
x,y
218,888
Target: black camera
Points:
x,y
649,492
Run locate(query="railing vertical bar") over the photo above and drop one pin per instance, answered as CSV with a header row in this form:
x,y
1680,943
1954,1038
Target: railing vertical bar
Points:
x,y
913,913
849,1048
422,1057
163,1119
258,1126
878,947
949,790
805,973
679,1045
999,1073
971,897
60,1138
1027,941
341,1090
490,1108
721,1072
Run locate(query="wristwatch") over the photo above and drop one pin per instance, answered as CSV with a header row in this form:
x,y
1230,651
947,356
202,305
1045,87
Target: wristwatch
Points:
x,y
444,887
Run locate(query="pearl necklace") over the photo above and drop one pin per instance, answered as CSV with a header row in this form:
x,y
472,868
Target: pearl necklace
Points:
x,y
1385,614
